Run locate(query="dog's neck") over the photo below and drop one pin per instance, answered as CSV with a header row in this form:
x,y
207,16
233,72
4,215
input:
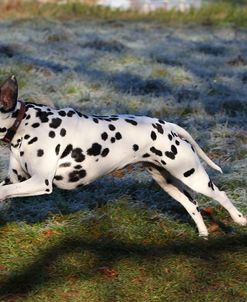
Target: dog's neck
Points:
x,y
10,122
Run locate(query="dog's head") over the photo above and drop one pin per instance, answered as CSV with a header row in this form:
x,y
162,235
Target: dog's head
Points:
x,y
8,94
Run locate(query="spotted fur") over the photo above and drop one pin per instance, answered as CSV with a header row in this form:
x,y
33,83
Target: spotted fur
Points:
x,y
69,149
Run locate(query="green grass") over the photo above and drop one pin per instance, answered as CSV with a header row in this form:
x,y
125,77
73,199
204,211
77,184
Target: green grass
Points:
x,y
120,253
216,13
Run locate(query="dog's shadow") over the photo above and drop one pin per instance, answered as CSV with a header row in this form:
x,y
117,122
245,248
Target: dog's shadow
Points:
x,y
137,188
106,250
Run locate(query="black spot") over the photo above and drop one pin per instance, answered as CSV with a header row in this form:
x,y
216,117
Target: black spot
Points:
x,y
21,178
118,136
113,139
163,162
135,147
174,150
153,135
111,127
77,175
14,171
21,153
84,115
146,155
104,136
63,132
189,172
26,136
35,125
156,151
55,122
61,113
70,113
52,134
57,149
3,129
67,151
7,181
15,146
43,116
211,185
77,167
33,140
95,149
105,119
78,155
29,105
96,120
170,137
28,117
105,152
47,190
187,194
171,155
158,127
193,149
177,142
134,123
65,165
58,177
40,152
161,122
47,182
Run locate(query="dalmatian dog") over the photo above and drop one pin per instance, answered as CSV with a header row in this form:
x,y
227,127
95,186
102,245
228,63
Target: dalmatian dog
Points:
x,y
68,149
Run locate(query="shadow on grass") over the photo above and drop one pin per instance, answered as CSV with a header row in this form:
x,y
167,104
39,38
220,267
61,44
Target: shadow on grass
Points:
x,y
111,251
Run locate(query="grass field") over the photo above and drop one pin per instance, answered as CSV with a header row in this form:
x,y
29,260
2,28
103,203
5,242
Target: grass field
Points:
x,y
121,238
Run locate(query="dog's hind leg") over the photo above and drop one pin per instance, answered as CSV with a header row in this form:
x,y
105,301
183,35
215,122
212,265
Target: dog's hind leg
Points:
x,y
200,182
175,189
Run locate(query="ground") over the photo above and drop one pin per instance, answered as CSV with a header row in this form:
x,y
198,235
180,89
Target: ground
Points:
x,y
122,238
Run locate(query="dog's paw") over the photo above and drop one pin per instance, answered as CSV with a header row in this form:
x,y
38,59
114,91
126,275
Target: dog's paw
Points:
x,y
204,235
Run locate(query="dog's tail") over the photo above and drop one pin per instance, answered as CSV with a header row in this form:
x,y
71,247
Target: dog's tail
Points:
x,y
184,134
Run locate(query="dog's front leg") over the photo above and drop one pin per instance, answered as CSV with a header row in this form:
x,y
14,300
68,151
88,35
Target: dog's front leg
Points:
x,y
36,185
15,173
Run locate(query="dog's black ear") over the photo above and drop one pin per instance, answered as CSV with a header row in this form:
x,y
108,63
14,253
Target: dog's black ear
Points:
x,y
8,94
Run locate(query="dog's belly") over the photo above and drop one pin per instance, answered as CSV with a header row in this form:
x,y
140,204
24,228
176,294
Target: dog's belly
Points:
x,y
71,175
